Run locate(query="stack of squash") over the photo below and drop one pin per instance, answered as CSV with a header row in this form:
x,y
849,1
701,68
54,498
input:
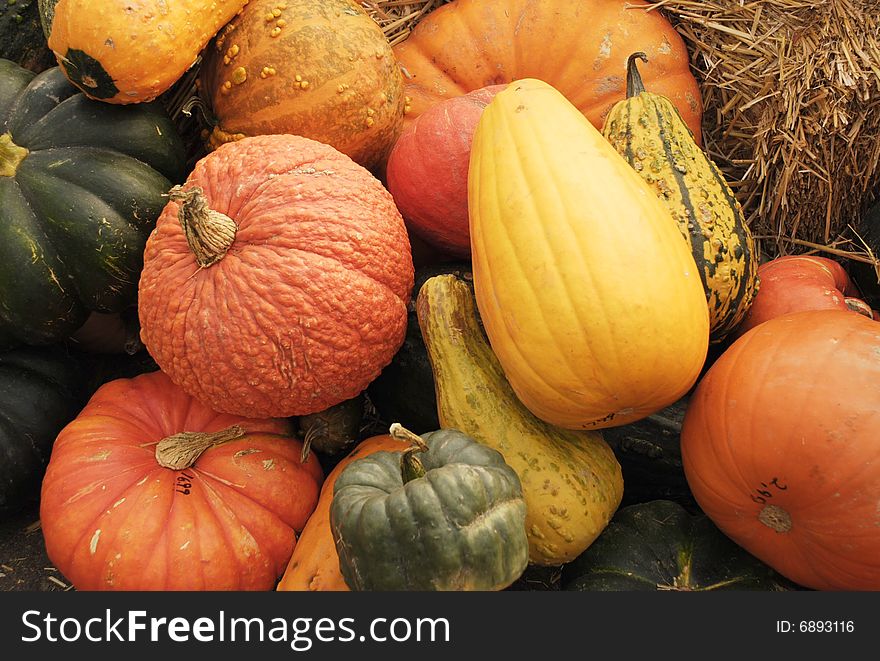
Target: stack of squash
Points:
x,y
328,406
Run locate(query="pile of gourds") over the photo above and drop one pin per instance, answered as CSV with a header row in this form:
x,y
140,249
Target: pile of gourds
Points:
x,y
511,257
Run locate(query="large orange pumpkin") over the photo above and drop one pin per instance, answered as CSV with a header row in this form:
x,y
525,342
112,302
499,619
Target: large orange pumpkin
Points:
x,y
580,47
780,447
287,293
314,565
322,69
129,504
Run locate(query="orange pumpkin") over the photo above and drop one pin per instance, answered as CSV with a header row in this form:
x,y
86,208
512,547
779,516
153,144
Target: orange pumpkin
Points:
x,y
580,47
794,283
287,293
129,503
314,565
322,69
779,446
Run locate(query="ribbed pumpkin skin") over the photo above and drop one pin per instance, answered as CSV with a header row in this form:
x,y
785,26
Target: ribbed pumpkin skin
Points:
x,y
649,133
131,51
308,305
578,46
81,186
571,481
314,565
591,300
784,426
333,77
459,526
114,519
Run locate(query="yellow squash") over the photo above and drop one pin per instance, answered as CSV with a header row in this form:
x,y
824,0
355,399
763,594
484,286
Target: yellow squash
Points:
x,y
131,51
590,299
648,132
571,480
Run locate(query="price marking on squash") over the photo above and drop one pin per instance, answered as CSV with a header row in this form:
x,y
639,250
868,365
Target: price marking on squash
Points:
x,y
767,490
184,484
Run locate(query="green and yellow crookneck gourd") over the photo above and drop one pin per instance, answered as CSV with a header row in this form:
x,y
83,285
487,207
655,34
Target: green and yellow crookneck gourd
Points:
x,y
648,132
591,301
571,481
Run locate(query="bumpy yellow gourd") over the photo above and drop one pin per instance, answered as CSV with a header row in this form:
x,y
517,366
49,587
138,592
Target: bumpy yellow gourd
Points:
x,y
648,132
590,299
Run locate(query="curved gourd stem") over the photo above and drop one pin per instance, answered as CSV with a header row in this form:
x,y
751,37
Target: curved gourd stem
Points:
x,y
209,233
411,467
634,84
181,451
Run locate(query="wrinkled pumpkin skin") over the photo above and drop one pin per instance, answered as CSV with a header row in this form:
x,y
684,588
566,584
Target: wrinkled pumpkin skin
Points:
x,y
322,69
658,545
571,480
120,51
591,300
308,304
649,133
779,445
459,525
577,46
314,565
81,186
114,519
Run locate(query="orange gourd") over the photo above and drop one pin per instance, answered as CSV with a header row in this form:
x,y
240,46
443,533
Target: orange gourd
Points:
x,y
287,293
314,565
131,503
322,69
579,47
779,445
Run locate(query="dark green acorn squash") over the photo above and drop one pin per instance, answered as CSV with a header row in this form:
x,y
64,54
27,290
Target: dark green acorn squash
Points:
x,y
81,186
404,391
661,546
21,35
40,392
451,518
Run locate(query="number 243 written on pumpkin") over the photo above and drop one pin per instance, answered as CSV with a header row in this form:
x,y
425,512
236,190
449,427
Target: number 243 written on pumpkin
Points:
x,y
767,490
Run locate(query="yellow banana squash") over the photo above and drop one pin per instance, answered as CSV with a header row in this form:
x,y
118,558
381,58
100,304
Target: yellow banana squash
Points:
x,y
571,480
648,132
591,301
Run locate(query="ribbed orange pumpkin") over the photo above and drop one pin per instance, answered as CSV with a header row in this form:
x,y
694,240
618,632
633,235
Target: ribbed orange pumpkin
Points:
x,y
125,507
318,68
287,293
580,47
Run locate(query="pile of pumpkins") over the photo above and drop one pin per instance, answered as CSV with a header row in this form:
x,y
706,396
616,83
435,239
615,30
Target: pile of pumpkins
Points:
x,y
508,257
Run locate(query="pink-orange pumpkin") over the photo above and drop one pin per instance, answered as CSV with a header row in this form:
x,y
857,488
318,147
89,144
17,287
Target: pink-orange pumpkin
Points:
x,y
427,170
114,518
287,293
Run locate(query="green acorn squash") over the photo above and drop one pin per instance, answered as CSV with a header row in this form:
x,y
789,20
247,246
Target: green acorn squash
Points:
x,y
81,186
661,546
40,392
451,518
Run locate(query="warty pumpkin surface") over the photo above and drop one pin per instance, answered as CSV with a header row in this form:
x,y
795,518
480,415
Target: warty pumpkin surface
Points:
x,y
81,186
130,503
780,447
322,69
591,300
577,46
303,301
131,51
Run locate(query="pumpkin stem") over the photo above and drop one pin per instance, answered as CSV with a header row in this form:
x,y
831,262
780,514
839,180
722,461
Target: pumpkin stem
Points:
x,y
209,233
634,85
311,432
411,467
775,517
10,155
180,451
